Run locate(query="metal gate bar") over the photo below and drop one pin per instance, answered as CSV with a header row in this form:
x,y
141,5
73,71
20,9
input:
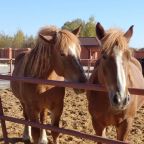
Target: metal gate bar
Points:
x,y
85,86
62,130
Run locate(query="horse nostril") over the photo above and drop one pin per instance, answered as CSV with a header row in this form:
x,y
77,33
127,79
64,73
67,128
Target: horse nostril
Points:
x,y
83,79
127,99
116,99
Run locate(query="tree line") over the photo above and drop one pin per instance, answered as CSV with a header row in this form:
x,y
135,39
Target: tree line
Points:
x,y
20,40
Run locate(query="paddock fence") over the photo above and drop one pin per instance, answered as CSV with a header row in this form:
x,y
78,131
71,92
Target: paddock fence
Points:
x,y
8,56
48,126
88,64
88,56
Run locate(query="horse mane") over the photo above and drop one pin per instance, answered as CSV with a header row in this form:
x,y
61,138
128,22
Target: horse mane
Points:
x,y
39,58
66,38
114,37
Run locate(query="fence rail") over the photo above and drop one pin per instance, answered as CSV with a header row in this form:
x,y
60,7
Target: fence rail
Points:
x,y
49,127
9,61
85,62
87,86
62,130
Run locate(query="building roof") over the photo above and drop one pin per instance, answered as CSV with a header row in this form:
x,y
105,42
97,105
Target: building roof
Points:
x,y
89,41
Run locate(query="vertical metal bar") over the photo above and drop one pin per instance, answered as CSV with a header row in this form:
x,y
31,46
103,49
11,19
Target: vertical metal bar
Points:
x,y
88,68
10,67
90,60
3,124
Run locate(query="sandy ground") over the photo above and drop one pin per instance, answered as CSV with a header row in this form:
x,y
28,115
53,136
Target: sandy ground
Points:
x,y
75,116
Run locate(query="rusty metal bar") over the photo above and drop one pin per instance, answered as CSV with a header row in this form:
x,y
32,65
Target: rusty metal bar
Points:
x,y
10,60
3,124
6,59
88,68
85,86
10,64
62,130
55,83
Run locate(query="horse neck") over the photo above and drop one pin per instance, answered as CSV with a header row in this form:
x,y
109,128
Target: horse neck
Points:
x,y
96,73
135,76
137,63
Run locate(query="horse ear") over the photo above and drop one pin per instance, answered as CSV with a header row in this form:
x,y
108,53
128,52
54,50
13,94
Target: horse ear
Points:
x,y
129,33
46,38
77,31
100,32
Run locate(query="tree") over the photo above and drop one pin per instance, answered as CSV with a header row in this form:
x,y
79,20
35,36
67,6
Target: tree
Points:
x,y
88,28
29,42
18,39
74,24
5,40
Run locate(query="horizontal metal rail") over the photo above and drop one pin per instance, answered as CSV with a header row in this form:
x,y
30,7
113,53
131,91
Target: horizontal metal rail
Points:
x,y
62,130
85,86
64,84
6,59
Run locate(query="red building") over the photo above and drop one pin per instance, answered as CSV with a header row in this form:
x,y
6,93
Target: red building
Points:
x,y
90,49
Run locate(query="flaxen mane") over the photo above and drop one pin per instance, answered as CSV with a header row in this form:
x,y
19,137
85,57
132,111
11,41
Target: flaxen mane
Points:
x,y
114,37
38,60
65,38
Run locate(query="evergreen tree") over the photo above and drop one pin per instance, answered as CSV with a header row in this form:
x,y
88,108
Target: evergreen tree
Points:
x,y
88,28
18,39
5,40
29,42
74,24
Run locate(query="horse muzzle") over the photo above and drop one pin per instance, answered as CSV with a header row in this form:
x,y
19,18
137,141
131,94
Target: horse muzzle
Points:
x,y
120,102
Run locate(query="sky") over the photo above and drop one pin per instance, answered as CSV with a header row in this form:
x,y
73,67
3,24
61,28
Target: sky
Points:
x,y
30,15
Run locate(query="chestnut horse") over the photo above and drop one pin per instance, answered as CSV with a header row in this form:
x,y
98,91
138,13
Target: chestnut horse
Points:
x,y
56,56
141,60
117,70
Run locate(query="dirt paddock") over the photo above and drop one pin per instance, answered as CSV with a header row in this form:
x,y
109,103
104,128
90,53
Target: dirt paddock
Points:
x,y
75,116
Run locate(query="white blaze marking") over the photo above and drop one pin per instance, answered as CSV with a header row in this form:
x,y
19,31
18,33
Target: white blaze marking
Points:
x,y
72,50
121,80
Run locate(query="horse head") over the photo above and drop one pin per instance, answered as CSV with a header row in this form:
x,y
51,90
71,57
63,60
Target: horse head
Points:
x,y
65,53
114,63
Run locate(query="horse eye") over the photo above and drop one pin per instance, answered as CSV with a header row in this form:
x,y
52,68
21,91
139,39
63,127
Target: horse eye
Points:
x,y
104,56
62,54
